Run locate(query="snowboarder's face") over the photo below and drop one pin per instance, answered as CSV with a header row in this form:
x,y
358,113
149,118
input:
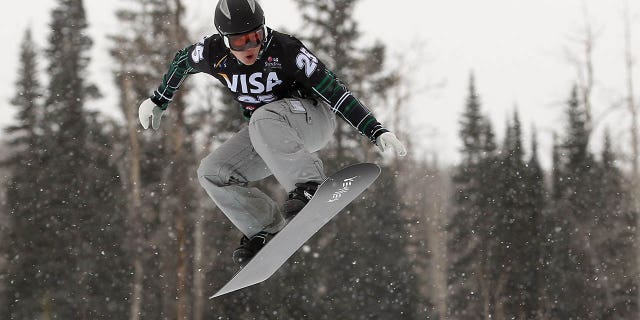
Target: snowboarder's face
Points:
x,y
248,56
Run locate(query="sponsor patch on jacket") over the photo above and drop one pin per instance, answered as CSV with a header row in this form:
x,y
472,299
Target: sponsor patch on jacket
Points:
x,y
273,63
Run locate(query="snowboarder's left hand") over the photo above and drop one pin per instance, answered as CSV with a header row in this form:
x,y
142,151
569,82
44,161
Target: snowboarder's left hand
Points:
x,y
148,109
388,141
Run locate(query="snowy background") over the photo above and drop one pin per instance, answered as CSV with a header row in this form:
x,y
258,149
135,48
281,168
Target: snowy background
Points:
x,y
519,200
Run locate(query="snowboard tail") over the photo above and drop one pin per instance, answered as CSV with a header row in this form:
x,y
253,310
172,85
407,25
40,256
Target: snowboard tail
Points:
x,y
333,195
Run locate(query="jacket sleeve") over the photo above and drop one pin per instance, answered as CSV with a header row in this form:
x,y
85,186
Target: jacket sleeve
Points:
x,y
187,61
315,76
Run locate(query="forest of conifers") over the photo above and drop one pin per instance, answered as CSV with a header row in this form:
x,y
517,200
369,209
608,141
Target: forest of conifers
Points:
x,y
100,219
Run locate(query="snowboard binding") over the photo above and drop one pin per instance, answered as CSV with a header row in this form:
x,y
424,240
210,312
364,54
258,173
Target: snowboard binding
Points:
x,y
250,246
298,198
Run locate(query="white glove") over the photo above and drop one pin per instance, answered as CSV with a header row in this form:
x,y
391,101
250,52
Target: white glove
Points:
x,y
149,109
388,141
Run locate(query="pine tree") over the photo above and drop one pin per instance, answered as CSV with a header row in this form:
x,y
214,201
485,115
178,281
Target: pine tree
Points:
x,y
554,251
23,204
536,206
614,239
471,226
555,230
66,136
516,249
573,258
472,124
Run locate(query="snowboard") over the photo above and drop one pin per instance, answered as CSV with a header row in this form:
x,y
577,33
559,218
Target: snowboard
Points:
x,y
333,195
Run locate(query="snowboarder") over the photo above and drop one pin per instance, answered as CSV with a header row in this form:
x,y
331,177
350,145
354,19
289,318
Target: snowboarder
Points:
x,y
290,99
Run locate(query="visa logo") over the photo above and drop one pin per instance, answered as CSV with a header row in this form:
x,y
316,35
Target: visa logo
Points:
x,y
254,83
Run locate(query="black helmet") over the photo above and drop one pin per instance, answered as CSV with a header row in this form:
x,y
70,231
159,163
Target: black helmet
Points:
x,y
238,16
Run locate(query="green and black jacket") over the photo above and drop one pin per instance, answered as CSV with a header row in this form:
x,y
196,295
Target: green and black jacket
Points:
x,y
285,69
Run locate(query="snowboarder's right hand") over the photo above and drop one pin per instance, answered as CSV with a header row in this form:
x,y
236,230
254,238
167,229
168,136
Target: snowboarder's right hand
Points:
x,y
149,109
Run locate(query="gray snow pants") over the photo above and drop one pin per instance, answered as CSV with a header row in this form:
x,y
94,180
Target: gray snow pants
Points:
x,y
281,139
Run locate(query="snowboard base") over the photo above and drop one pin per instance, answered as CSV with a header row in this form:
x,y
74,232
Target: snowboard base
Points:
x,y
333,195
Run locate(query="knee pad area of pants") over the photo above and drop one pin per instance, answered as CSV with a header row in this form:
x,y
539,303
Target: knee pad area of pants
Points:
x,y
266,141
217,173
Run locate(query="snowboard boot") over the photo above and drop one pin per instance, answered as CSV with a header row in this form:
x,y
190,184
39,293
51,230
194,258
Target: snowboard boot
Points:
x,y
250,246
298,198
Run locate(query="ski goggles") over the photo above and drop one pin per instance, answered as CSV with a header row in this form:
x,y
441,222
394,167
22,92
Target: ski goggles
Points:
x,y
241,42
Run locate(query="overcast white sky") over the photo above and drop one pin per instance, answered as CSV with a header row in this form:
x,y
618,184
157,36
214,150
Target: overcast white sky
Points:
x,y
516,49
